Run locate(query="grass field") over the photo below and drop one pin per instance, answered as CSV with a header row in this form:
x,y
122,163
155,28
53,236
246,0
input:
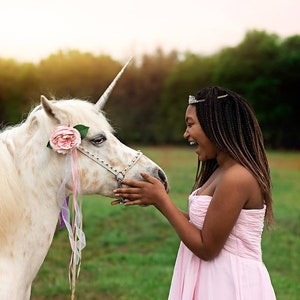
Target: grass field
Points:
x,y
131,251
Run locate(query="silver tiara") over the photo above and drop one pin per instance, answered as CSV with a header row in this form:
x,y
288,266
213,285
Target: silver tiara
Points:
x,y
193,100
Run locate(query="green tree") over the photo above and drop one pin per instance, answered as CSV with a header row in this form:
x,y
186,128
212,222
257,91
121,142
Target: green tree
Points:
x,y
250,69
136,113
73,74
288,125
17,86
148,103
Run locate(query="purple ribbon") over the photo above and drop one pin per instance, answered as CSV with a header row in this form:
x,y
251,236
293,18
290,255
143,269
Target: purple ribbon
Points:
x,y
64,213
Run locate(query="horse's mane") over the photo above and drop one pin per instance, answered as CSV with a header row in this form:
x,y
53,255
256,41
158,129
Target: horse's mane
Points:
x,y
11,207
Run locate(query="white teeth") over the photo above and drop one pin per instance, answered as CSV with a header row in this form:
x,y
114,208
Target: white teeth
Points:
x,y
192,143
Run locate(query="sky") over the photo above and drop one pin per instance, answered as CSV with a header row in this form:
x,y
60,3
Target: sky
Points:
x,y
31,30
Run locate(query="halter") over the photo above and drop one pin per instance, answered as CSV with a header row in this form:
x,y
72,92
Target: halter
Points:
x,y
119,175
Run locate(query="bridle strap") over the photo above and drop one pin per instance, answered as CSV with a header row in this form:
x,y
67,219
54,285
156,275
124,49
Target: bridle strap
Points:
x,y
107,166
119,175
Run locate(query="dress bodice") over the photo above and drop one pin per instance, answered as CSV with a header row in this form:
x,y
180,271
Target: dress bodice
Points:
x,y
245,237
236,273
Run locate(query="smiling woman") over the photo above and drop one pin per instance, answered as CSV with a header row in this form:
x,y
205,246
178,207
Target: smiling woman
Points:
x,y
232,186
196,136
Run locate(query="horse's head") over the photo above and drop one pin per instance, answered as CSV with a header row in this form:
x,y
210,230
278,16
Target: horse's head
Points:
x,y
102,158
103,161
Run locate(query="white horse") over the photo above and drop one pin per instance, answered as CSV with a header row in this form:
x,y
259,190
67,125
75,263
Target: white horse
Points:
x,y
31,175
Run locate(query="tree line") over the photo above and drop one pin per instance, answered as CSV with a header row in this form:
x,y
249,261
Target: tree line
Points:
x,y
148,104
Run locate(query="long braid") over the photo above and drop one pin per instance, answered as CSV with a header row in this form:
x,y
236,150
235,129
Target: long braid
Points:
x,y
230,123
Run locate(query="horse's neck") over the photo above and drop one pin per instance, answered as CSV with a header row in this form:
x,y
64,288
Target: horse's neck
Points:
x,y
31,207
38,176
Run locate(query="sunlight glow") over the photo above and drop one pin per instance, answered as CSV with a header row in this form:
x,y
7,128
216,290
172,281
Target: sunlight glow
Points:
x,y
33,29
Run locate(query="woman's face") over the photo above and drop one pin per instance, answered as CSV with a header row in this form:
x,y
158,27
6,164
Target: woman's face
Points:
x,y
196,136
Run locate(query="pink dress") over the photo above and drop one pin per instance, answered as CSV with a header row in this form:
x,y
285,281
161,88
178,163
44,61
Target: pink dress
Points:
x,y
237,273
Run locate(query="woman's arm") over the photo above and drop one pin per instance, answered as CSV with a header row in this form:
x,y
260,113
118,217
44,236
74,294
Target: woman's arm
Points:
x,y
224,209
152,192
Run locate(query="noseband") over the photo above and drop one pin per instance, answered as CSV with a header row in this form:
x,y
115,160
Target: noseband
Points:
x,y
119,175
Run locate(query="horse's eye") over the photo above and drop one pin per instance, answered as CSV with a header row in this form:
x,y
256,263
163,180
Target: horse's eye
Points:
x,y
98,140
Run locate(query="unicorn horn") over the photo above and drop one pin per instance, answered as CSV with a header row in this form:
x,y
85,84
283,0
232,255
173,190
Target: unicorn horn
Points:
x,y
101,102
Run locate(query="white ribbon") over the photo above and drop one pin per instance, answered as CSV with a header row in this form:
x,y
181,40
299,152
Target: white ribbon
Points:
x,y
74,227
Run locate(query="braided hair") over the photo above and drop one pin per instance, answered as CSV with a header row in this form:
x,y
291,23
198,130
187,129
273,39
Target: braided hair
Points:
x,y
230,123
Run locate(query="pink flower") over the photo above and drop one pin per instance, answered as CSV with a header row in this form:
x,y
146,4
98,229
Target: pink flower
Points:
x,y
64,139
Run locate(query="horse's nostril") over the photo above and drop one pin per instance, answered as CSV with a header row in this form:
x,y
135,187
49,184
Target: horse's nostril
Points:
x,y
161,175
163,178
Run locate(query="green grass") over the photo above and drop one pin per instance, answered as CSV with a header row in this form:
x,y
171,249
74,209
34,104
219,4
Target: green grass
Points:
x,y
131,251
281,245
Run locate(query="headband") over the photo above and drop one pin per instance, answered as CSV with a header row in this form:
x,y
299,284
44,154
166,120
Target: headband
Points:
x,y
193,100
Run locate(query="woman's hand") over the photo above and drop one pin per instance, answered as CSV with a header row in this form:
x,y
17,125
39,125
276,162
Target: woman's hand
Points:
x,y
148,192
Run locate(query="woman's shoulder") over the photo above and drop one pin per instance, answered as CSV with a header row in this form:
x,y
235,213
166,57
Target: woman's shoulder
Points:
x,y
237,176
239,179
238,173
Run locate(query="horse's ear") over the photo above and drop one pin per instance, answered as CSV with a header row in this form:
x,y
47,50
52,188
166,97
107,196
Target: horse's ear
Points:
x,y
53,111
101,102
